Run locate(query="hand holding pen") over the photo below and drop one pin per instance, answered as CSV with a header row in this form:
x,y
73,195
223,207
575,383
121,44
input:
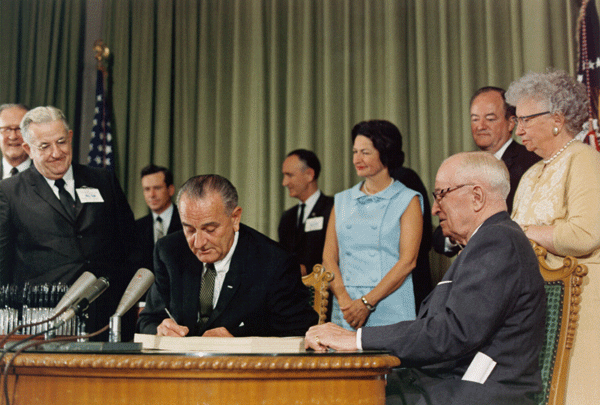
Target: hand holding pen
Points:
x,y
169,327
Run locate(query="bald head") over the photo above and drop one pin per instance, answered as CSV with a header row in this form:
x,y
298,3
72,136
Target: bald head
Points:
x,y
470,187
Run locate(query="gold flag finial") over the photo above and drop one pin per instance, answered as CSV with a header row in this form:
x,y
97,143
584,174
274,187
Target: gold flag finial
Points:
x,y
101,52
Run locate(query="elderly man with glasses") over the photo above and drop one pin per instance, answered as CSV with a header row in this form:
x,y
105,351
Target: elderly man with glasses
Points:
x,y
478,335
14,157
492,125
59,219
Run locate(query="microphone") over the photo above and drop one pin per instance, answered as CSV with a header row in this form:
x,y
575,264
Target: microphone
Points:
x,y
139,284
75,291
85,299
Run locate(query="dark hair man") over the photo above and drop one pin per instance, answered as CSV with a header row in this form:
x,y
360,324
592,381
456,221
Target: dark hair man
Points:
x,y
302,228
158,189
219,277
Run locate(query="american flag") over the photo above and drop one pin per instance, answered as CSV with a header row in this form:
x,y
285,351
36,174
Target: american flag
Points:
x,y
101,147
588,69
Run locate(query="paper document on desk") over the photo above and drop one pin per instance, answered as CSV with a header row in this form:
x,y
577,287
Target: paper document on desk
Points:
x,y
480,368
294,344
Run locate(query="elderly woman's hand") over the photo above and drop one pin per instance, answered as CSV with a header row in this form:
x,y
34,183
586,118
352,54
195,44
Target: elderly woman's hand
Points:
x,y
355,313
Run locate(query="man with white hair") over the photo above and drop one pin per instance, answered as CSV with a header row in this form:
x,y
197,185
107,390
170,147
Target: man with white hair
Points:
x,y
14,158
59,219
478,335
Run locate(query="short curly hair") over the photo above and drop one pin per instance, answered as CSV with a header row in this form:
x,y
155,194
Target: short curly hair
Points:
x,y
560,92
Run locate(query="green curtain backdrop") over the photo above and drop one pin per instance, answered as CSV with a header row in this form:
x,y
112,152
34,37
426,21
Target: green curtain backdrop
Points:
x,y
41,55
230,86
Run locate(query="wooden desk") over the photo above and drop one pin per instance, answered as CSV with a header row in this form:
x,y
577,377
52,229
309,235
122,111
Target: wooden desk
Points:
x,y
146,379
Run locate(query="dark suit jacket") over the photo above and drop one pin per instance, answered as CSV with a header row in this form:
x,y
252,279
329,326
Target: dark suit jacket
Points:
x,y
262,294
39,242
518,160
144,234
307,247
490,300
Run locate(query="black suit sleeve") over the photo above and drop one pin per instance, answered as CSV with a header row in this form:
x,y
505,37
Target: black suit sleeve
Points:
x,y
290,314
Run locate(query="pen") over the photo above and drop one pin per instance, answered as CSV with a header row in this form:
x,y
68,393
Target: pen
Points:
x,y
168,313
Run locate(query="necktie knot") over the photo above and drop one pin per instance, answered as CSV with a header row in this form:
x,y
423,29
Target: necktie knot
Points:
x,y
159,229
66,199
14,171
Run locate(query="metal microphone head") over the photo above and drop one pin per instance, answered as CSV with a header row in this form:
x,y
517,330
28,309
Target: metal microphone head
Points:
x,y
85,299
75,291
139,284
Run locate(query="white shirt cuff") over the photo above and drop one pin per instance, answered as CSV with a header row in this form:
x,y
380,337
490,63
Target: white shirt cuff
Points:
x,y
358,339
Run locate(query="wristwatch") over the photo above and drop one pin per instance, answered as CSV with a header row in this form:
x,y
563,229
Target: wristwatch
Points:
x,y
369,306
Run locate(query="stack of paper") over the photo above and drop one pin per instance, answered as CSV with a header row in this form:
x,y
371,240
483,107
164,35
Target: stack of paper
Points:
x,y
253,344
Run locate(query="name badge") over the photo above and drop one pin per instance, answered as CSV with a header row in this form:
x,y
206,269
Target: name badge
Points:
x,y
89,195
313,224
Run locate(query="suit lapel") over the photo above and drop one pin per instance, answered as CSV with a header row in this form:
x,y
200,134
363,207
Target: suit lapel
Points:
x,y
233,278
191,286
41,187
81,180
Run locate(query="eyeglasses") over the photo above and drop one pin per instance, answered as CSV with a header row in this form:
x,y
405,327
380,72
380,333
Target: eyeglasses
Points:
x,y
438,195
6,130
45,147
525,120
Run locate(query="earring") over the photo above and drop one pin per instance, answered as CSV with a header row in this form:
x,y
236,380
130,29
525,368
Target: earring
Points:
x,y
555,131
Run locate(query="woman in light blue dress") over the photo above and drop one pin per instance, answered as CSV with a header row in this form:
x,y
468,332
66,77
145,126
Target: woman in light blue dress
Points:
x,y
373,235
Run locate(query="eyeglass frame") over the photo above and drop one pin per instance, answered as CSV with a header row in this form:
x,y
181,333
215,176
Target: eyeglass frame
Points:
x,y
526,119
46,147
5,130
439,195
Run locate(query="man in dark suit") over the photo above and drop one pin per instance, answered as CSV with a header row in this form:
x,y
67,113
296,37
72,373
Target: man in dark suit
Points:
x,y
158,189
14,157
228,279
302,228
478,335
492,127
59,219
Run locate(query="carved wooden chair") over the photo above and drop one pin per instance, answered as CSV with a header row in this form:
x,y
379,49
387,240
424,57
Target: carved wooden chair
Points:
x,y
563,296
318,284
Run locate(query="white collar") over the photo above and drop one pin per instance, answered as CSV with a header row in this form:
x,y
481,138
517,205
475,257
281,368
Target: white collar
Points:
x,y
501,151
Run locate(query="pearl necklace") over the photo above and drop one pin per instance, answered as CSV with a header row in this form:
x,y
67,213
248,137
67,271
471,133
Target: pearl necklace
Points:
x,y
367,192
559,152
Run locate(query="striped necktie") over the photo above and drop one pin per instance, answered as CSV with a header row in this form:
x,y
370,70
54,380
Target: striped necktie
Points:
x,y
207,290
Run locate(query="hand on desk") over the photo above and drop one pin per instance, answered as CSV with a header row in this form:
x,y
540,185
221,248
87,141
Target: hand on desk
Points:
x,y
217,332
330,335
168,327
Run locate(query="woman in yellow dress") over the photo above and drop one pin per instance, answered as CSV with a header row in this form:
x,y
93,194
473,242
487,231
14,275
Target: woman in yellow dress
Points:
x,y
557,202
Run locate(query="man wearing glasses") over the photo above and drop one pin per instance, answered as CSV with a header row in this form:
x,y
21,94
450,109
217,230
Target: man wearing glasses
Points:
x,y
478,335
14,157
59,219
492,125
